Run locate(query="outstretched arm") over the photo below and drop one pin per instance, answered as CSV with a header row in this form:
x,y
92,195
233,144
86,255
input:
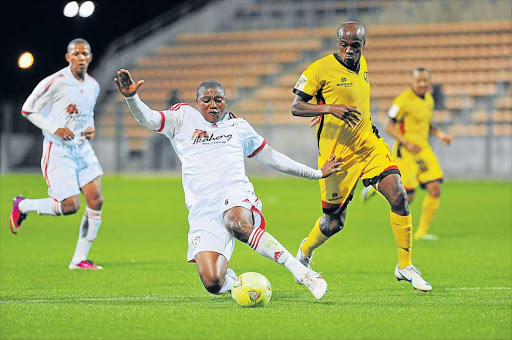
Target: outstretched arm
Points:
x,y
142,113
282,163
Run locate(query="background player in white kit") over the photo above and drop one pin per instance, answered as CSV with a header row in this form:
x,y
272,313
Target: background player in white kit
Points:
x,y
211,145
62,106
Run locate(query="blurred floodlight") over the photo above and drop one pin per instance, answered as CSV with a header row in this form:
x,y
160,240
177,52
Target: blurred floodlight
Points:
x,y
86,9
71,9
26,60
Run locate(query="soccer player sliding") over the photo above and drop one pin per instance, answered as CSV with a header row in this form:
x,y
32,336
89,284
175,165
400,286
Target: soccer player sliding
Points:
x,y
211,145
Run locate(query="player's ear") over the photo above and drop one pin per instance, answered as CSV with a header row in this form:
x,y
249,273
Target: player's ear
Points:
x,y
67,57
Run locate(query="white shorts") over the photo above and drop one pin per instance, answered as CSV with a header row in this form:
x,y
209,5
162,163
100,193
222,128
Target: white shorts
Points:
x,y
66,169
207,230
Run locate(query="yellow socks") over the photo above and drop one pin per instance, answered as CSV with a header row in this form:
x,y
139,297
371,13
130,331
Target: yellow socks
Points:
x,y
402,228
430,205
315,239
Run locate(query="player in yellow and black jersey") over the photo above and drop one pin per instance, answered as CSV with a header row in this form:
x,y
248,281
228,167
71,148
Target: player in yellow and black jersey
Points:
x,y
339,90
410,123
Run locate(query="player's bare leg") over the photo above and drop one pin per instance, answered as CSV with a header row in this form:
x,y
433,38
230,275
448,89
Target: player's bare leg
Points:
x,y
429,209
43,206
325,227
89,225
213,269
239,222
401,223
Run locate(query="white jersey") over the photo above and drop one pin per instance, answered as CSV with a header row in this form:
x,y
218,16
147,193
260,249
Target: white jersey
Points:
x,y
212,154
56,94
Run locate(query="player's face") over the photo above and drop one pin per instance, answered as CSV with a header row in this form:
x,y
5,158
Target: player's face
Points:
x,y
350,46
421,82
79,58
212,105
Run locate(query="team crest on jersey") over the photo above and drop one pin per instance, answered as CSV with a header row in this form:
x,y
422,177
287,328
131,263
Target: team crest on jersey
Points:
x,y
365,76
301,83
196,240
343,79
204,137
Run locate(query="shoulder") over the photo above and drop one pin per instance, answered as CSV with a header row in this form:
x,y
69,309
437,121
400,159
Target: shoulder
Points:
x,y
51,81
323,61
182,107
93,81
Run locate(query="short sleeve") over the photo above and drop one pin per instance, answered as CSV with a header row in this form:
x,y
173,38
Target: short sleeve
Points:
x,y
308,83
41,95
397,110
252,141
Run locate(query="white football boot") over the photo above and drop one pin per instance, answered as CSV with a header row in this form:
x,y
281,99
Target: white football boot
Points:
x,y
315,283
304,259
412,275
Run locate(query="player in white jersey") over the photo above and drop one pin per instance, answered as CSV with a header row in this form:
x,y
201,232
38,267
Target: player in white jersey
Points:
x,y
62,106
211,145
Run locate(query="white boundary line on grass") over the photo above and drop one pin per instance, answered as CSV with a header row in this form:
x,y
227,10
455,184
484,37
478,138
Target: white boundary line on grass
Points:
x,y
478,288
100,299
155,298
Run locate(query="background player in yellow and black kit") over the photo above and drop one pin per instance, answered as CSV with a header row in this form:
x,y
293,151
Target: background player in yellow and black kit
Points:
x,y
410,123
339,89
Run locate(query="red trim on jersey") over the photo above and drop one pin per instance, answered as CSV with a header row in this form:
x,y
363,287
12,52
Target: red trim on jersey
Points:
x,y
52,81
326,205
232,115
258,149
25,112
389,168
162,123
257,211
45,163
401,126
177,106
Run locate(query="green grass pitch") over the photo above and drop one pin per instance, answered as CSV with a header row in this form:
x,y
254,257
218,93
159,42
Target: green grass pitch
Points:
x,y
147,290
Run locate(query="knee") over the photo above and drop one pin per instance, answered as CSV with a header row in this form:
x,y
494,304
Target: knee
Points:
x,y
434,189
96,203
398,201
212,283
241,230
332,224
70,205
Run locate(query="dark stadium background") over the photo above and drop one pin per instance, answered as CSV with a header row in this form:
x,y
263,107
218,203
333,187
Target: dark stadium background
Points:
x,y
41,28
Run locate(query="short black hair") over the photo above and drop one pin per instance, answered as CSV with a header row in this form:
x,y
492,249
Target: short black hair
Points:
x,y
420,69
210,84
78,41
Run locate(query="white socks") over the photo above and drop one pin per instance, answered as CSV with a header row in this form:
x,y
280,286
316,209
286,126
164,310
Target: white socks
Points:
x,y
43,206
88,230
265,244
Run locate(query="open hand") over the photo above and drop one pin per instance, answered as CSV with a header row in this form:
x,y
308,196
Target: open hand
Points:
x,y
332,165
65,133
346,113
125,83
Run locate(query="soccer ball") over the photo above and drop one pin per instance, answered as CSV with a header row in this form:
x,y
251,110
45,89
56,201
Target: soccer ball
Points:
x,y
251,290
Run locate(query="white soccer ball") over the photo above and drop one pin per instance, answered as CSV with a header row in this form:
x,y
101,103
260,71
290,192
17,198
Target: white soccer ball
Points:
x,y
251,289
